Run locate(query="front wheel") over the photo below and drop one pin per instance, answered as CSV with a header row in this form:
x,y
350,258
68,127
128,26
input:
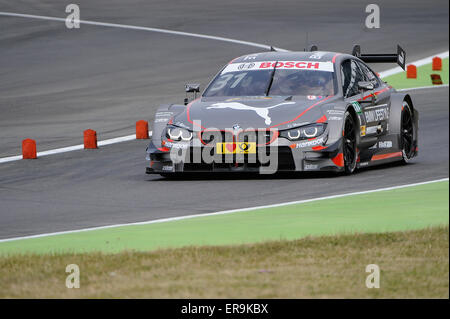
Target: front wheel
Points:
x,y
349,144
407,133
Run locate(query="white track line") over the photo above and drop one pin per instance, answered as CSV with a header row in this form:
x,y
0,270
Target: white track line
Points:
x,y
74,147
133,27
420,62
240,210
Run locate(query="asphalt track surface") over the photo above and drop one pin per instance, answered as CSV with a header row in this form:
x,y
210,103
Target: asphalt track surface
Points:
x,y
55,83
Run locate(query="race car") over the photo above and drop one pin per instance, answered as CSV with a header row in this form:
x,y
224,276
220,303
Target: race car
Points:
x,y
288,111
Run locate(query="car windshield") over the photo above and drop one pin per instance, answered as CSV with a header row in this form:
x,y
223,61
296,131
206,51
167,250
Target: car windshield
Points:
x,y
289,78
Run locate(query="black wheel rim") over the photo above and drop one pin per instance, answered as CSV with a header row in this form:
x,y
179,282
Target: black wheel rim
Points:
x,y
349,144
407,132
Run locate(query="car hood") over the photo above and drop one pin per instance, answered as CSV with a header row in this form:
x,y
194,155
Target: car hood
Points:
x,y
251,112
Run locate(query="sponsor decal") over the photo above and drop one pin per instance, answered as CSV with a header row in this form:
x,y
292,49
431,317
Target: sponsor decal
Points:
x,y
246,66
176,145
311,166
261,111
163,114
310,143
362,164
167,168
357,107
335,111
251,56
401,57
374,129
317,55
335,118
161,120
236,148
380,114
371,130
362,130
295,124
264,65
385,144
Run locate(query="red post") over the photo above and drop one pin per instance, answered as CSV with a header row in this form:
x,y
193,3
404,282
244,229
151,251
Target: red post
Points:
x,y
29,149
142,129
411,71
437,64
90,139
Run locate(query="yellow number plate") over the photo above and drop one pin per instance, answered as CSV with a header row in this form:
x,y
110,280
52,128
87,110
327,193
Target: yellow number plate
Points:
x,y
233,148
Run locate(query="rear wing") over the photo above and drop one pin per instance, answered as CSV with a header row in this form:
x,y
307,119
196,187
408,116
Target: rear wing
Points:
x,y
399,57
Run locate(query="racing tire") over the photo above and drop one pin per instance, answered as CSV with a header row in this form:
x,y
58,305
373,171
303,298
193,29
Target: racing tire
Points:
x,y
407,133
349,149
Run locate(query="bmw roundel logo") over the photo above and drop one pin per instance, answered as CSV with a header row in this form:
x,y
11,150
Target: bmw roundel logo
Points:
x,y
236,127
246,66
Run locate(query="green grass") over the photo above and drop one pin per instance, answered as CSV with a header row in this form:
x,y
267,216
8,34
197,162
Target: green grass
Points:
x,y
399,80
394,210
413,264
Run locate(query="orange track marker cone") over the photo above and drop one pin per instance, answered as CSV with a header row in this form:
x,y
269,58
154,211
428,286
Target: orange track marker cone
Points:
x,y
437,64
29,149
142,129
90,139
411,72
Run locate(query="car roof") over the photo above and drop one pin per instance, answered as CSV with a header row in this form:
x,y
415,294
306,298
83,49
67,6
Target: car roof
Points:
x,y
321,56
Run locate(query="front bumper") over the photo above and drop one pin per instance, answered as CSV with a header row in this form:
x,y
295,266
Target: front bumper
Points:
x,y
286,156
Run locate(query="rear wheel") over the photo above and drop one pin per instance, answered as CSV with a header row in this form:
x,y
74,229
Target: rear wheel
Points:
x,y
349,147
407,133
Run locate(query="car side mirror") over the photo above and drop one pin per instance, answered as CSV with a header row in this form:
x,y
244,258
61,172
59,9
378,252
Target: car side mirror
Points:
x,y
191,88
366,86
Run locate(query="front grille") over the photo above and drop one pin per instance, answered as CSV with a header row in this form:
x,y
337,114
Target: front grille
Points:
x,y
195,161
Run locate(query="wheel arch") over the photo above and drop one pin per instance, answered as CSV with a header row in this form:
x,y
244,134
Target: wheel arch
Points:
x,y
397,100
355,117
395,115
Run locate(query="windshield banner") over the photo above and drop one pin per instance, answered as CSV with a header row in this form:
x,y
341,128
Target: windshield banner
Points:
x,y
265,65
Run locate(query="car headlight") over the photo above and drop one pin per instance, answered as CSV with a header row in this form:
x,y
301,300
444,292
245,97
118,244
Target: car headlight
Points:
x,y
304,132
178,134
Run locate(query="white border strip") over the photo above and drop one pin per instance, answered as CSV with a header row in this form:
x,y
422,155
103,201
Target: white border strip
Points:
x,y
420,62
163,220
132,27
74,147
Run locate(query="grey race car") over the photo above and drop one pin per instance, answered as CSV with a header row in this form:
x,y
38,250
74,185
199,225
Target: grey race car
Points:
x,y
288,111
